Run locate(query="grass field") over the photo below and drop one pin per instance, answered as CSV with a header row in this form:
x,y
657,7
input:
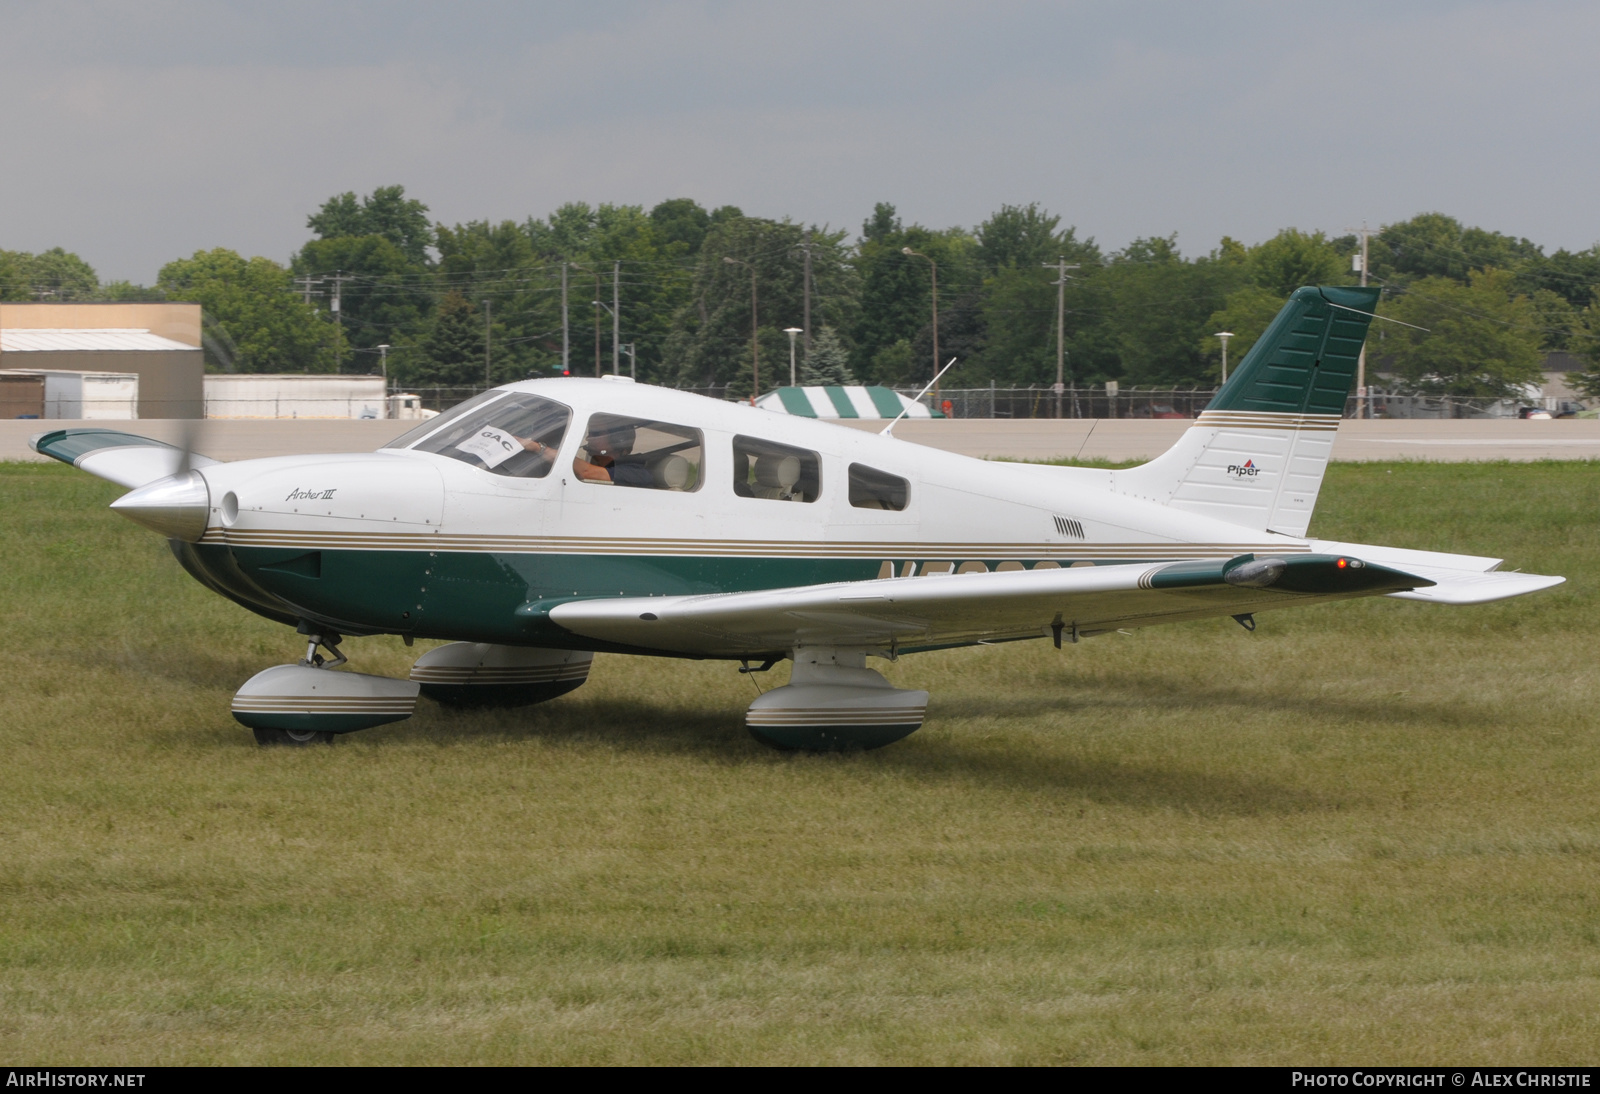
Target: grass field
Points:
x,y
1369,832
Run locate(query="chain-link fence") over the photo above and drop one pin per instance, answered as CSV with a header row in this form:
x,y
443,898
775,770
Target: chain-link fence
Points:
x,y
1042,401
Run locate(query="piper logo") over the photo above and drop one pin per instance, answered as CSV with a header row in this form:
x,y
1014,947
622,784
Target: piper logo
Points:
x,y
1245,470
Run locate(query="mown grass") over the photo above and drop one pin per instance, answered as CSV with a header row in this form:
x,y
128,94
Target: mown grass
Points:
x,y
1368,832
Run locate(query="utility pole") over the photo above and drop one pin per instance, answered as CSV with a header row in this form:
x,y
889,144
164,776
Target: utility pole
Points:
x,y
566,339
338,280
597,324
805,245
616,323
1061,325
755,344
916,254
1363,403
488,333
305,284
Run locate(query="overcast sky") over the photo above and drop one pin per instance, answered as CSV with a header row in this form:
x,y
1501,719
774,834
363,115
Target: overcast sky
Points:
x,y
135,133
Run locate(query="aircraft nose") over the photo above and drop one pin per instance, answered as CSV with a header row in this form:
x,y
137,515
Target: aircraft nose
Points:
x,y
177,506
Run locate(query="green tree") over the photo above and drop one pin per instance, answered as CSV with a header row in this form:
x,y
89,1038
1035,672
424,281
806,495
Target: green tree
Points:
x,y
1018,303
896,295
495,264
253,303
828,362
681,221
1292,259
1482,339
384,297
385,212
1436,245
654,279
452,353
1158,308
53,275
1246,315
710,340
14,276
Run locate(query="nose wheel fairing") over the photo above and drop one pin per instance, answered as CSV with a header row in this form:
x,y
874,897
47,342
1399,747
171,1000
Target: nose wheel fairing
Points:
x,y
310,699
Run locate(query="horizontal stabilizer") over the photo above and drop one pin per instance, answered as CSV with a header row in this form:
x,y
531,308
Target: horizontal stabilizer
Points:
x,y
1457,579
122,458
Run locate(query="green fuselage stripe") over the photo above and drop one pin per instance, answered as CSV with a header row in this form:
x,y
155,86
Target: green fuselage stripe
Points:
x,y
483,596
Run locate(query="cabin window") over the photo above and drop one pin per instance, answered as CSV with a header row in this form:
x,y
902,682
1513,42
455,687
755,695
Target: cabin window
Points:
x,y
874,489
516,435
764,469
639,452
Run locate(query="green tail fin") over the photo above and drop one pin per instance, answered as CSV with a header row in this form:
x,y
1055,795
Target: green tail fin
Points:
x,y
1305,363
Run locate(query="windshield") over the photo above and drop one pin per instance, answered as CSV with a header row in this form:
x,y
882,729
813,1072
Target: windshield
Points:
x,y
516,435
416,433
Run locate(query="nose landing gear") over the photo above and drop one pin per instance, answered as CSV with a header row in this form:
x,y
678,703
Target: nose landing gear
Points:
x,y
308,703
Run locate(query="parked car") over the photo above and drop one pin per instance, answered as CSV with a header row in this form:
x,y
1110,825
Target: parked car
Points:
x,y
1534,412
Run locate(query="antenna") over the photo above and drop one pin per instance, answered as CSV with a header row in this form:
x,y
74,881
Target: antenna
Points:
x,y
920,394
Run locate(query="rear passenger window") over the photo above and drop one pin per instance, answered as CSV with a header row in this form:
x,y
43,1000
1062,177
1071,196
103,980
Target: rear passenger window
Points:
x,y
874,489
765,469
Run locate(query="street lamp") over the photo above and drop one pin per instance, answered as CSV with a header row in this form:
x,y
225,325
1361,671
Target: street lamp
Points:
x,y
791,332
916,254
1224,335
755,347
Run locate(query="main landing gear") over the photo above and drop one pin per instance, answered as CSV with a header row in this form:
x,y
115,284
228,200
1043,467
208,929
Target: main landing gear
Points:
x,y
834,703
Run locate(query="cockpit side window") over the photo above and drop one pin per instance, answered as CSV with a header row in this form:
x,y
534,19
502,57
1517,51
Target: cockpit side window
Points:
x,y
874,489
517,436
640,452
766,469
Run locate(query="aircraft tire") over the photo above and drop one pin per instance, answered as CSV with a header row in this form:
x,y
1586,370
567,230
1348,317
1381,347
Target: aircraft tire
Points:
x,y
292,738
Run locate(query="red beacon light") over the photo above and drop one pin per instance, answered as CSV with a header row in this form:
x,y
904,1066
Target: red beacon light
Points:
x,y
1342,563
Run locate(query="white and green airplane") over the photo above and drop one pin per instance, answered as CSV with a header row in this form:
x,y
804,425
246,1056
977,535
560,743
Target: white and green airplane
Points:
x,y
544,521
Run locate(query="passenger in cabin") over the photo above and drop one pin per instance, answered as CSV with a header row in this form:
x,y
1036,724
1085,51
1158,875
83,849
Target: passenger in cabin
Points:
x,y
611,458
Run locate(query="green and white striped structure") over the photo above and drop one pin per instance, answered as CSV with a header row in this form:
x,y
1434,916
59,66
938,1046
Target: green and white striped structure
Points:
x,y
854,401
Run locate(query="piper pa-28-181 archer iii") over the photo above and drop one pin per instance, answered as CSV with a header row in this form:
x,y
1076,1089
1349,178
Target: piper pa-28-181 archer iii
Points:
x,y
544,521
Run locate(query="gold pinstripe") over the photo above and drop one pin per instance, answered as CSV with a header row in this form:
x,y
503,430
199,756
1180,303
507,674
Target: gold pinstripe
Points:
x,y
706,548
1262,419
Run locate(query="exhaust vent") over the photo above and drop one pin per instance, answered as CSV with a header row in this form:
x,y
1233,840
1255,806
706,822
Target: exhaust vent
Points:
x,y
1066,526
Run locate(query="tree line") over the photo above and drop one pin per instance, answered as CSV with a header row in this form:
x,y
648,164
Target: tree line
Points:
x,y
468,303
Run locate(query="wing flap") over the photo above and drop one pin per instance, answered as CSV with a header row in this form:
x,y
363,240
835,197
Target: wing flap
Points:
x,y
966,608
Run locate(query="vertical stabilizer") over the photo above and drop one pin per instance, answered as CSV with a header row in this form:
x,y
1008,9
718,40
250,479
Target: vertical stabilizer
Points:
x,y
1257,453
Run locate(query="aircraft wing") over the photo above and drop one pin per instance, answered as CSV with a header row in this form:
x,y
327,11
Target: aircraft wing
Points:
x,y
958,609
1456,579
122,458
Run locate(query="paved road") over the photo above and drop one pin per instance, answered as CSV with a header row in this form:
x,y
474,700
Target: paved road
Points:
x,y
1448,441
